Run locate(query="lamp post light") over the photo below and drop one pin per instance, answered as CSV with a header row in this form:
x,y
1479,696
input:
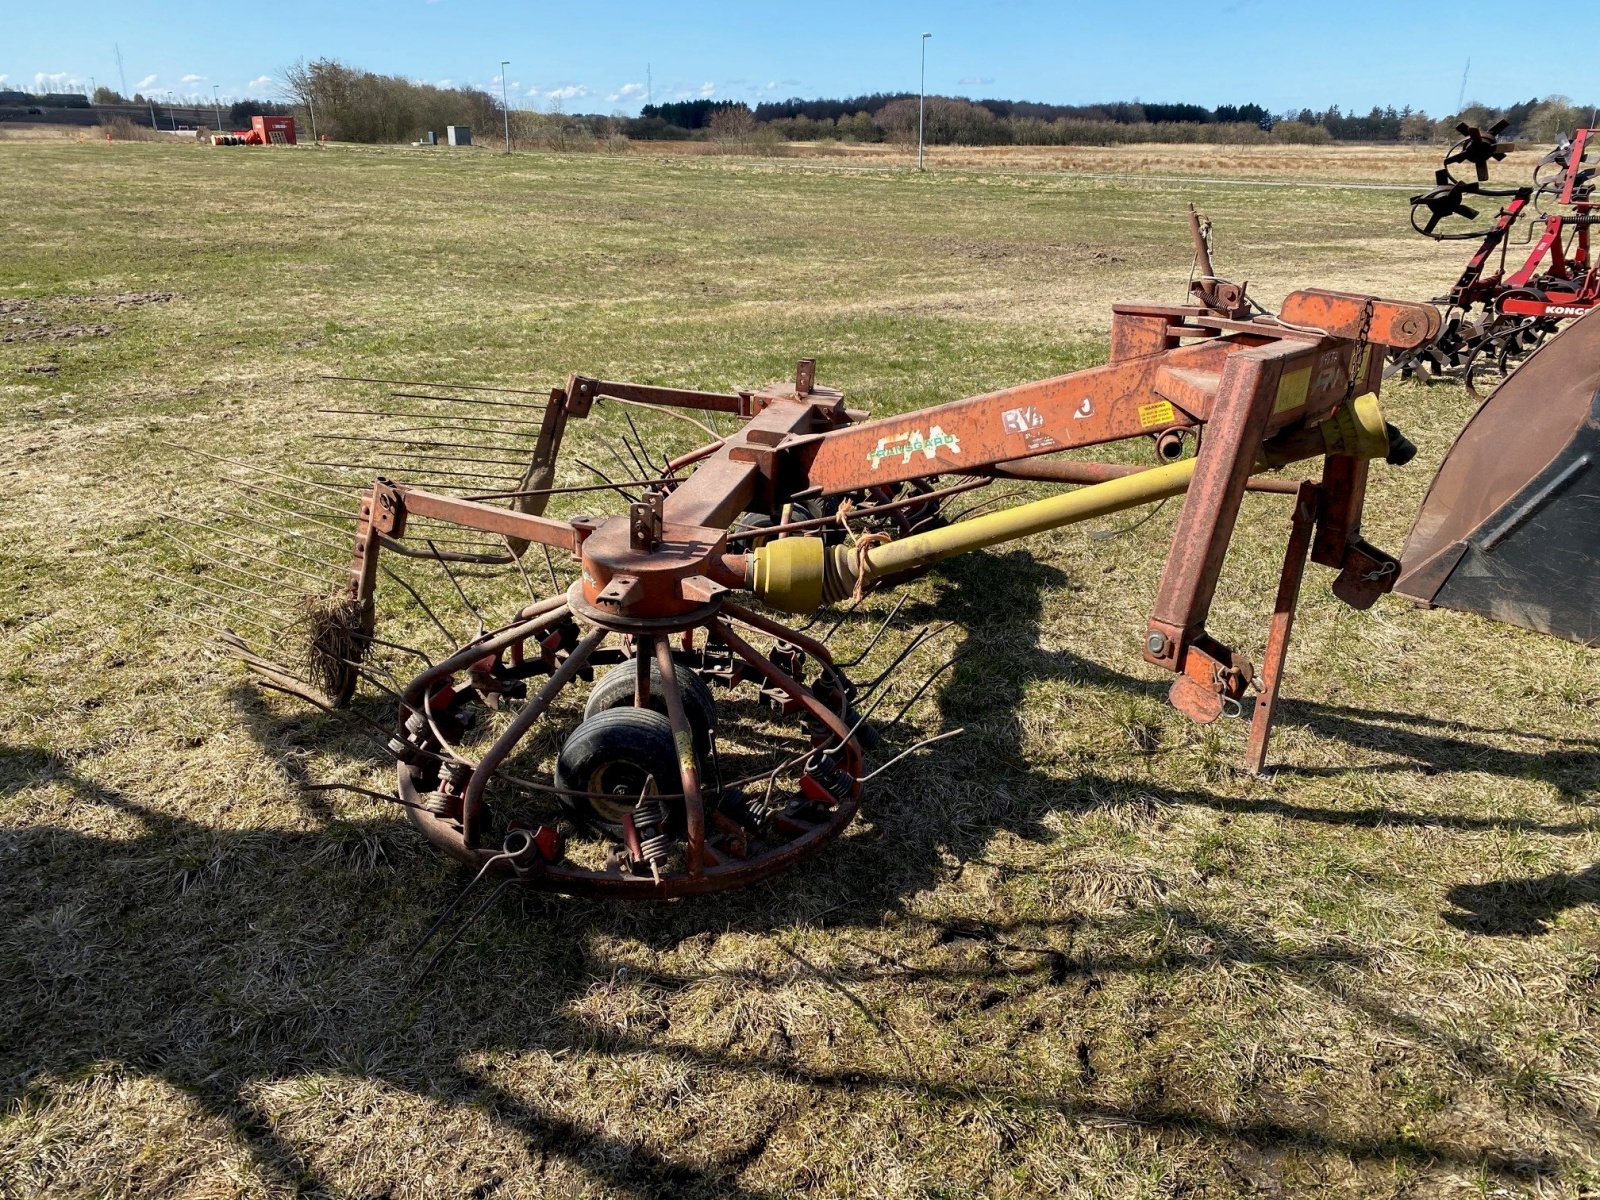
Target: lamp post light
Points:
x,y
505,104
922,96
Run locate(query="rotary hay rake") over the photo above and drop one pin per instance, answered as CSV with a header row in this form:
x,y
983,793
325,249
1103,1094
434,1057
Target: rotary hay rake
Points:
x,y
654,786
1496,315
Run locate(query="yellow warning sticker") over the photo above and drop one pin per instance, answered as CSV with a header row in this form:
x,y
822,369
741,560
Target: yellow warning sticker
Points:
x,y
1159,413
1292,389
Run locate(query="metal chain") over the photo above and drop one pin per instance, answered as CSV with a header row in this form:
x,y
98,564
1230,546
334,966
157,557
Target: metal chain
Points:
x,y
1358,361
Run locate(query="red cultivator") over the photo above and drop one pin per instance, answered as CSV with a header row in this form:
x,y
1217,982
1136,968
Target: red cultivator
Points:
x,y
806,503
1496,314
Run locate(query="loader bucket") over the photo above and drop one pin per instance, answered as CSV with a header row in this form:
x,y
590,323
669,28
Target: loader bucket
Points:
x,y
1510,528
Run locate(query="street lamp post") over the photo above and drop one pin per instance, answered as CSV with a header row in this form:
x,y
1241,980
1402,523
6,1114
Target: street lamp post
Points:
x,y
922,96
173,98
216,103
505,104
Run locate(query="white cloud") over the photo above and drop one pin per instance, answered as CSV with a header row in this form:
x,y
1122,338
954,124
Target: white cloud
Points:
x,y
147,81
260,81
570,92
708,89
772,86
53,81
629,91
976,80
193,79
444,83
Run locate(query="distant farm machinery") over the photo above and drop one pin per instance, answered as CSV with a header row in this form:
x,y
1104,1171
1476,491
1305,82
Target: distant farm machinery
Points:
x,y
1496,312
717,743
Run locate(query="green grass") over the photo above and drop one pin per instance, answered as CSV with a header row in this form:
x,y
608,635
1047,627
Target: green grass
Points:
x,y
1072,952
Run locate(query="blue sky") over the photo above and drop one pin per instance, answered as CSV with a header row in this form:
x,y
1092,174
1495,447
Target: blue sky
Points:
x,y
593,57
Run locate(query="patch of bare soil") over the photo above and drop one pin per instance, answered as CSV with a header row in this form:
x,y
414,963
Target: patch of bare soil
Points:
x,y
57,333
988,251
121,299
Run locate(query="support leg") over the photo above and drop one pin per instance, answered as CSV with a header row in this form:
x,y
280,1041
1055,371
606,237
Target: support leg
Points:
x,y
1283,609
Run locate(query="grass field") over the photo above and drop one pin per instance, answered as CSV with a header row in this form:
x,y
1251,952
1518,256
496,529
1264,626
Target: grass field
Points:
x,y
1072,952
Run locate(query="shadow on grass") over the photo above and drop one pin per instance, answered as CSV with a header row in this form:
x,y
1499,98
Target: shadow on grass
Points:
x,y
159,992
220,959
1521,907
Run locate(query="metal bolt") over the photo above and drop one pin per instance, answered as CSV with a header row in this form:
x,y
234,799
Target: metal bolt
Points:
x,y
1156,644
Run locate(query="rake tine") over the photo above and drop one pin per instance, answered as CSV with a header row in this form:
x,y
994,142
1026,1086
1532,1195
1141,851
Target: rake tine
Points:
x,y
407,415
379,468
521,570
519,493
477,913
374,439
922,637
853,605
917,695
360,791
473,400
670,412
876,637
427,456
458,387
612,450
221,599
234,614
908,752
643,449
637,464
627,495
234,462
226,533
236,587
199,553
278,682
344,514
457,585
449,637
550,565
290,532
449,909
400,646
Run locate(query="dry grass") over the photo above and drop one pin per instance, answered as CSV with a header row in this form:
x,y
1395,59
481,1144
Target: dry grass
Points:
x,y
1076,953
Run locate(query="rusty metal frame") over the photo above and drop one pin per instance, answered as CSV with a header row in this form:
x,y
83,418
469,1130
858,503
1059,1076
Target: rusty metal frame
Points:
x,y
1256,391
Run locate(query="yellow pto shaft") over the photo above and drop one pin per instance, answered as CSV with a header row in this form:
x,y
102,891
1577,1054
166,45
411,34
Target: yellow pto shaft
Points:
x,y
799,574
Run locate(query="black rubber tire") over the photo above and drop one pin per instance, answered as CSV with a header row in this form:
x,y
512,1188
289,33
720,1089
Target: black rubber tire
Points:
x,y
615,690
623,747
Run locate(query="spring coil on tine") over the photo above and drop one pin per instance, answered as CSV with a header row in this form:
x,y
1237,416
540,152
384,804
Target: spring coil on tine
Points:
x,y
651,814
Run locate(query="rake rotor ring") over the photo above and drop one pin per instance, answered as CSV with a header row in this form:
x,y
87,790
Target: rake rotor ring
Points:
x,y
691,834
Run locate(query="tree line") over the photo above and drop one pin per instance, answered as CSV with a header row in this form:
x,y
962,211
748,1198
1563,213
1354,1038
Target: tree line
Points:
x,y
347,103
892,116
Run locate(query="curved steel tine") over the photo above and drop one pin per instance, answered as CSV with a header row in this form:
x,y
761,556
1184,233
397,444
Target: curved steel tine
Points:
x,y
923,636
926,684
472,920
450,908
878,636
909,751
482,626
